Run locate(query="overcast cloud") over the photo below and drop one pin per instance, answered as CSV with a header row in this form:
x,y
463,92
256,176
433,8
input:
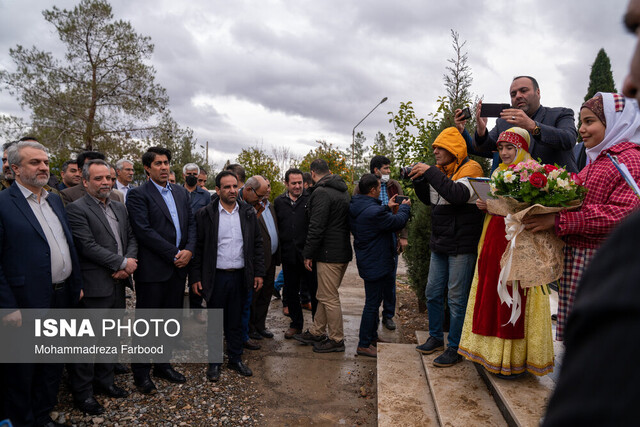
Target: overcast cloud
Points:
x,y
287,73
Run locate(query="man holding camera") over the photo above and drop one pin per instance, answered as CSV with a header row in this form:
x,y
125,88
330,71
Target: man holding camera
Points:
x,y
553,130
374,226
456,225
380,166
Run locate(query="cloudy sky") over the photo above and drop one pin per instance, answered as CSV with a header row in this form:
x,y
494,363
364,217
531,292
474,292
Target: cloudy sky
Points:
x,y
275,73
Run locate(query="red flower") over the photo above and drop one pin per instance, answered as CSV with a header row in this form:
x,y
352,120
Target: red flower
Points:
x,y
538,180
550,168
511,166
576,178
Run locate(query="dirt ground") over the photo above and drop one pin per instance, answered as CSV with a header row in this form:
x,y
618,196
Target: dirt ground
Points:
x,y
299,387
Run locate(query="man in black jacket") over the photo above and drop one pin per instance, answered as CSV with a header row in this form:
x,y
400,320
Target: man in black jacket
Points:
x,y
329,246
553,130
292,228
228,262
456,225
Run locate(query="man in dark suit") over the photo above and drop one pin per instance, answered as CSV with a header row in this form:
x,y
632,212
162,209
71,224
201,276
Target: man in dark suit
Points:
x,y
290,209
553,130
38,269
229,261
165,229
108,251
256,193
71,194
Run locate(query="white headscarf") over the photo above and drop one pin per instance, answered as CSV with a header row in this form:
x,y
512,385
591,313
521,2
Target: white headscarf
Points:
x,y
623,123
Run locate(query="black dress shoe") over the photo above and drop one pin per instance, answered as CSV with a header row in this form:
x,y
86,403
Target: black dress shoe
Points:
x,y
170,375
90,406
241,368
111,391
266,333
251,345
145,386
389,323
213,373
255,335
120,369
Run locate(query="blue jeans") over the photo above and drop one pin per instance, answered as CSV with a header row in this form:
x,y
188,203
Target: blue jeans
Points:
x,y
373,290
279,281
454,272
246,314
389,296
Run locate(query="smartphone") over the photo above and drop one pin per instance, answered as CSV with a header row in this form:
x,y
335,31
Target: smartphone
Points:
x,y
466,113
400,199
493,110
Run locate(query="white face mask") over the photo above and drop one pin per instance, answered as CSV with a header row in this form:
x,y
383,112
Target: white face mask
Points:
x,y
384,178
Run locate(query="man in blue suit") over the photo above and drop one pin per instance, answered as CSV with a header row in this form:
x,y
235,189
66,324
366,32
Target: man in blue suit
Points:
x,y
39,268
165,229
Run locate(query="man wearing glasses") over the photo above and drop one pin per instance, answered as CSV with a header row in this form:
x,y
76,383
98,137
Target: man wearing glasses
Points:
x,y
256,193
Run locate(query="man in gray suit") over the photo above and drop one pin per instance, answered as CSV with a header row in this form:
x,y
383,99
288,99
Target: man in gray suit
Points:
x,y
71,194
108,251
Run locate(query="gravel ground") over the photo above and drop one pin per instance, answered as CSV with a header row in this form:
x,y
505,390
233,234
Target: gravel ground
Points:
x,y
234,400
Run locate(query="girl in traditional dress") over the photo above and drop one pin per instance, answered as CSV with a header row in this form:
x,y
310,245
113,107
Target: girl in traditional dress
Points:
x,y
610,125
504,348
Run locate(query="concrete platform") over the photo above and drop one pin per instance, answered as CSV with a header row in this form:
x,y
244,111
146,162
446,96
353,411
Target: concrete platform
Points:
x,y
404,398
523,400
460,395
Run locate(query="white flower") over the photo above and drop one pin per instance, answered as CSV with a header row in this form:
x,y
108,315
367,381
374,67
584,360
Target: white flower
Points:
x,y
509,177
563,183
555,173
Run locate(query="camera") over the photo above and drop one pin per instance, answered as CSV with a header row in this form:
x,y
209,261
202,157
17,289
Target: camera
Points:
x,y
405,171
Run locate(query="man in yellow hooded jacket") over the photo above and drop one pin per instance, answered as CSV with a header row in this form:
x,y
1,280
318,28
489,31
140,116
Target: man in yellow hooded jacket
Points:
x,y
456,225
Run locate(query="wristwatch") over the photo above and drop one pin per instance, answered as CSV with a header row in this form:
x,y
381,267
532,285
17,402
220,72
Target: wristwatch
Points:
x,y
536,130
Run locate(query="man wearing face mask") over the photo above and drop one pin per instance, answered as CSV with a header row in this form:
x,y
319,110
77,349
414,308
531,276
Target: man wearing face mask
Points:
x,y
380,166
198,198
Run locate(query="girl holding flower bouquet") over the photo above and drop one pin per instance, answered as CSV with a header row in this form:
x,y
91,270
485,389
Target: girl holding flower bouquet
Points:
x,y
610,125
503,348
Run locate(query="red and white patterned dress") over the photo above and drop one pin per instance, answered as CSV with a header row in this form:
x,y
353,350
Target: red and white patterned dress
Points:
x,y
609,199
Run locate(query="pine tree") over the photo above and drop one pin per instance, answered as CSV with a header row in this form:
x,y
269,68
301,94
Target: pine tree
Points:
x,y
600,80
601,77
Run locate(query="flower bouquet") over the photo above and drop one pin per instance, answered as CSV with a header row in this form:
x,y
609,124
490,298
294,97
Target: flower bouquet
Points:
x,y
522,190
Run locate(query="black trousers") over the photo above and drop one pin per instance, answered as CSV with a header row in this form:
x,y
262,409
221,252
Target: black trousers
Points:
x,y
229,293
294,275
30,390
83,376
167,294
262,300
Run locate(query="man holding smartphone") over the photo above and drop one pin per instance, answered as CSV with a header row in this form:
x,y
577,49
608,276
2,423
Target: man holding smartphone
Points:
x,y
380,166
553,130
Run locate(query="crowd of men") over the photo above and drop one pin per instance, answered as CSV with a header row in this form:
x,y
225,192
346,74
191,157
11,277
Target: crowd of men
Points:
x,y
95,234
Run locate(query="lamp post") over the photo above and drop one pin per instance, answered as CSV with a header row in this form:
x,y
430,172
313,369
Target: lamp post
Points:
x,y
353,138
206,152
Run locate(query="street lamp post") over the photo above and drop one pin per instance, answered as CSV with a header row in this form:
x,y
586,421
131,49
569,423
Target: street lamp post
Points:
x,y
353,138
206,152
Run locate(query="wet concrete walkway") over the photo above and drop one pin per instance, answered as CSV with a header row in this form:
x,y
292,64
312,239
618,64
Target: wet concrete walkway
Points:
x,y
301,387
